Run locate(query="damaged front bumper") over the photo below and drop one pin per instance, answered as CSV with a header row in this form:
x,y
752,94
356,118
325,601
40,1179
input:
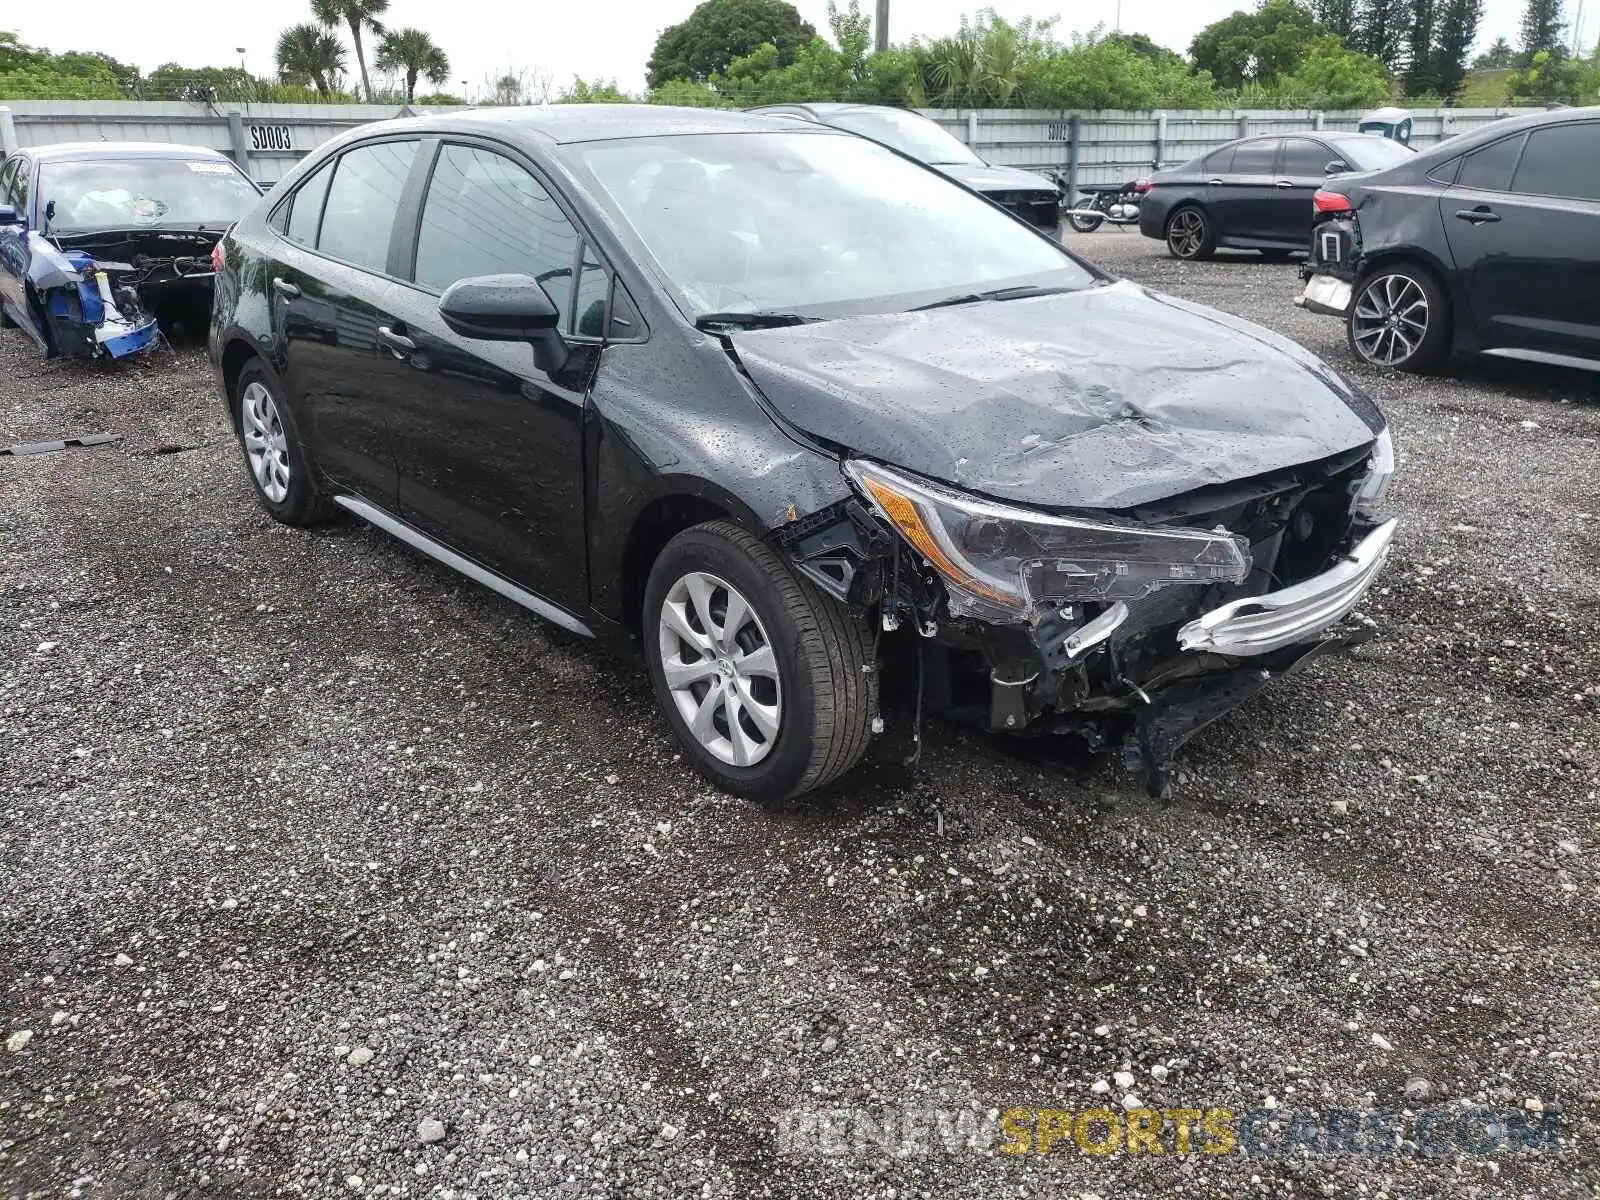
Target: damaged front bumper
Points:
x,y
1143,675
88,318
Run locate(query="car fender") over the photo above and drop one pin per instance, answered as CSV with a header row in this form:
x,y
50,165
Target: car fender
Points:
x,y
640,451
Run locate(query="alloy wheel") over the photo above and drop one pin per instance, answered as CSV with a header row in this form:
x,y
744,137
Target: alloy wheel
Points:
x,y
1390,319
265,443
1187,233
720,668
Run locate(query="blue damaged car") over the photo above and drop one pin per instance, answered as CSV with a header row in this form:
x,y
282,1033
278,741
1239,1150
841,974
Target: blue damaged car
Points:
x,y
98,240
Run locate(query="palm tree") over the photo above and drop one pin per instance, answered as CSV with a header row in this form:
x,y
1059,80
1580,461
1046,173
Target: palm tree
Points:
x,y
413,52
310,54
356,15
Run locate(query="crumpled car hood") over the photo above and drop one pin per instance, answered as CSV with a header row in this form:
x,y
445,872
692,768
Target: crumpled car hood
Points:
x,y
1105,398
984,178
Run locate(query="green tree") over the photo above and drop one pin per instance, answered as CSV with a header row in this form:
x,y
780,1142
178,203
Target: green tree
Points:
x,y
1420,27
1255,46
358,16
599,91
412,53
719,31
1331,75
1338,17
1541,30
1142,47
685,93
1497,57
1452,41
1383,29
1553,78
309,54
14,56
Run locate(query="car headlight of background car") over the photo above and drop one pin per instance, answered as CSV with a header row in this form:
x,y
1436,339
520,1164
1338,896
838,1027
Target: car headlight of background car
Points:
x,y
1374,489
1000,561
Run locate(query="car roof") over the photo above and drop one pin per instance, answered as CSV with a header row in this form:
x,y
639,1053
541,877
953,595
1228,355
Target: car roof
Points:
x,y
829,108
1496,130
62,151
565,123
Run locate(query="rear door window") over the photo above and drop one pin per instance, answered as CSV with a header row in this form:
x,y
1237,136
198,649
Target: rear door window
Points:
x,y
486,215
1489,169
1561,160
1305,159
1255,158
1219,162
305,206
363,198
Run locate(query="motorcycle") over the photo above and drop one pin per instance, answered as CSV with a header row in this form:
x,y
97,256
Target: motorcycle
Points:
x,y
1096,205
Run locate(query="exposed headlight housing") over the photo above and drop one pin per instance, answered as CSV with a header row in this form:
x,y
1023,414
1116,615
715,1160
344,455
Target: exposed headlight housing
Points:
x,y
1374,489
1000,562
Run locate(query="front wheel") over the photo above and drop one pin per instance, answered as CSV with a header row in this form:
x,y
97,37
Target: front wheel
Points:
x,y
1189,234
1400,319
766,682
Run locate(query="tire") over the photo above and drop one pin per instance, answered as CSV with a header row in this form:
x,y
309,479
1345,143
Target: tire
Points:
x,y
1189,234
1396,289
819,694
5,319
280,472
1084,224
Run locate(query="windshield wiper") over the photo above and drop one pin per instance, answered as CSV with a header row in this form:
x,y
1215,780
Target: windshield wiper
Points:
x,y
1021,292
750,320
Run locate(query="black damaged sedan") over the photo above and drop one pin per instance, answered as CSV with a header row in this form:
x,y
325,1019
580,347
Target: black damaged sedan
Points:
x,y
768,398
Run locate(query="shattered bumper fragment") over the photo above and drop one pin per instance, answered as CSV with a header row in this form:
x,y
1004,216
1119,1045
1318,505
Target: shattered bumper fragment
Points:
x,y
1259,625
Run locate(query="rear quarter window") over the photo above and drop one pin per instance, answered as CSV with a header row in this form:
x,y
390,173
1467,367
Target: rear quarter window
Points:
x,y
1561,160
1489,168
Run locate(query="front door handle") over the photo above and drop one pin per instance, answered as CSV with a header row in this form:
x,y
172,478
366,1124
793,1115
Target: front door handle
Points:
x,y
286,289
399,344
1477,216
1214,182
1285,183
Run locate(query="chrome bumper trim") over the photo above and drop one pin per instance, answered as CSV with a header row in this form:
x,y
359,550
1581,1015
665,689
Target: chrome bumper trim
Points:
x,y
1261,624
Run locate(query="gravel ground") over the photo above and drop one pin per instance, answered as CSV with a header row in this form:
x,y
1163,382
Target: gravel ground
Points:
x,y
323,871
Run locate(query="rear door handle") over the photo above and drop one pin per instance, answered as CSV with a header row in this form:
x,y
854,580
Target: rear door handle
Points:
x,y
284,288
399,344
1214,183
1285,183
1477,215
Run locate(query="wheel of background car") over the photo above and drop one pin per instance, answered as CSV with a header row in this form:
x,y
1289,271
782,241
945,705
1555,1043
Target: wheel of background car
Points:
x,y
277,462
1399,318
1189,234
1084,224
761,676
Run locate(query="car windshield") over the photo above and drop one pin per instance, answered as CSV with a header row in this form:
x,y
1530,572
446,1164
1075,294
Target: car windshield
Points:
x,y
1370,152
786,222
908,133
125,193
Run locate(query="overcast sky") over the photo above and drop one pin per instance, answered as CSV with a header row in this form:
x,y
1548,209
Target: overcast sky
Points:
x,y
607,39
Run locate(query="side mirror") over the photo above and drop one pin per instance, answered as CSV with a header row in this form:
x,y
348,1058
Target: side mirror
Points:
x,y
8,215
506,308
1335,167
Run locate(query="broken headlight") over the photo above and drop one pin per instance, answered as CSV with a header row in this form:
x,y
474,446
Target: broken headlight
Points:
x,y
1000,561
1374,489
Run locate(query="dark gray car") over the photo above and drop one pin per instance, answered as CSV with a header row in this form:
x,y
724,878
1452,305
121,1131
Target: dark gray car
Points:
x,y
1254,193
1032,197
